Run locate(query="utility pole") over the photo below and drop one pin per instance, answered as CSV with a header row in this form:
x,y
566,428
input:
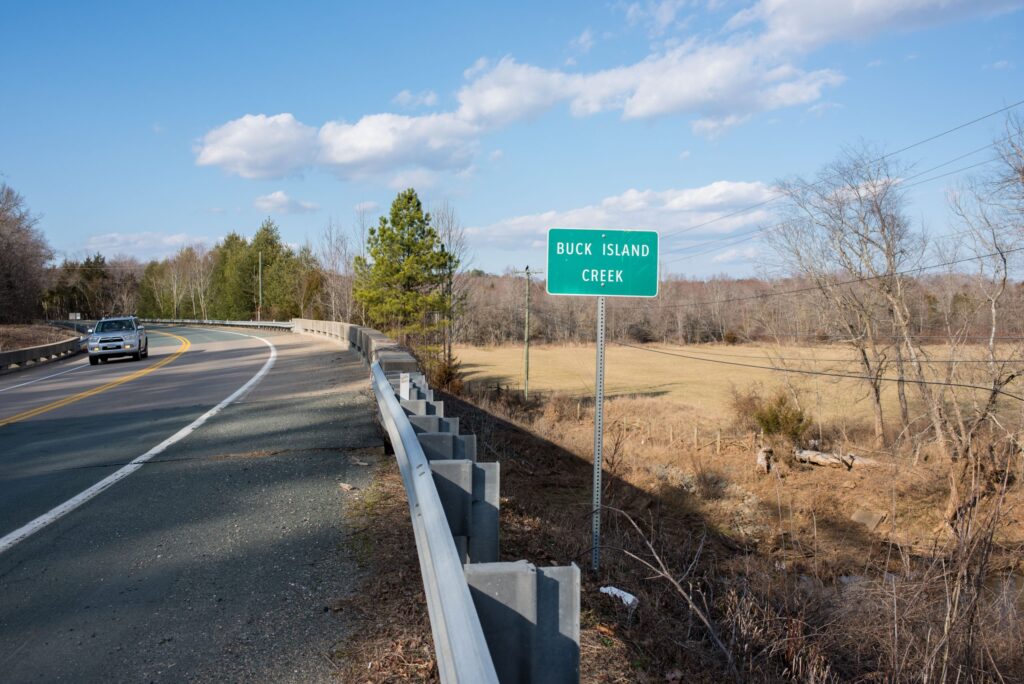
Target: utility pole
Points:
x,y
259,308
526,335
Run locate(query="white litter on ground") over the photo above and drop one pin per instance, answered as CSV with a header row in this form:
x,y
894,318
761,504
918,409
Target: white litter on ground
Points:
x,y
626,597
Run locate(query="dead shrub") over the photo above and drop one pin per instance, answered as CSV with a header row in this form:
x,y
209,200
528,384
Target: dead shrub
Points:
x,y
775,416
708,484
744,405
562,408
443,373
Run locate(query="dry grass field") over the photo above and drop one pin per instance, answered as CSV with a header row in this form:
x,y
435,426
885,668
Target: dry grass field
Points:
x,y
705,386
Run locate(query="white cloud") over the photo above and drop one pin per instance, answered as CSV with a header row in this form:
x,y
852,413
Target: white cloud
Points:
x,y
666,210
280,203
382,142
751,68
496,155
685,154
822,108
811,23
367,207
510,91
143,245
655,17
998,66
875,63
259,146
734,255
584,42
408,99
413,178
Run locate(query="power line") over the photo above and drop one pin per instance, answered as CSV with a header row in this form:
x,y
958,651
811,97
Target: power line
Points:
x,y
837,338
825,360
763,229
822,373
779,293
795,291
911,146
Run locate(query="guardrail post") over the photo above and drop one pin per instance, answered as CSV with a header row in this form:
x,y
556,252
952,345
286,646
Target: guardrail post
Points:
x,y
530,618
469,496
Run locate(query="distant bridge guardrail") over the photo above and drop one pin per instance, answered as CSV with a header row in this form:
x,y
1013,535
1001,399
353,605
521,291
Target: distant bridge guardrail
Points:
x,y
281,325
43,352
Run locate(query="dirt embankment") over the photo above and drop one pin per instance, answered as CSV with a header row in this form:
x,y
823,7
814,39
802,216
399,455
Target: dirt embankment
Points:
x,y
806,574
22,336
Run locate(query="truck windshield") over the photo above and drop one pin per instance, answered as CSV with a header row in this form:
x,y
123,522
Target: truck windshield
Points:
x,y
114,326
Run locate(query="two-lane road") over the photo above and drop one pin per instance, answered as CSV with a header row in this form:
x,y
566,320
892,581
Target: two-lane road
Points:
x,y
179,518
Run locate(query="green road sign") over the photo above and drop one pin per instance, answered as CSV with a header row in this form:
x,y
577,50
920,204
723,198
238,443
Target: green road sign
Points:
x,y
603,263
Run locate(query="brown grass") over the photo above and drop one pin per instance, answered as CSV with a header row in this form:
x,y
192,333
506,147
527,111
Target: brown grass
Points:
x,y
22,336
795,589
704,386
390,637
800,591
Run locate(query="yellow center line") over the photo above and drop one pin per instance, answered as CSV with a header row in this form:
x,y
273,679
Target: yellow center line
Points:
x,y
31,413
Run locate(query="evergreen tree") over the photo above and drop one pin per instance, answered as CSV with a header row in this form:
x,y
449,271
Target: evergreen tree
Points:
x,y
401,280
232,284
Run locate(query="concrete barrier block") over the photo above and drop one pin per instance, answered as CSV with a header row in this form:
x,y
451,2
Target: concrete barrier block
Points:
x,y
556,656
434,424
505,596
454,482
445,445
409,383
391,361
530,618
422,407
484,541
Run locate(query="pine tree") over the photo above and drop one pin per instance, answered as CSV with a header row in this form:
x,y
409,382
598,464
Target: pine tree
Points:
x,y
401,280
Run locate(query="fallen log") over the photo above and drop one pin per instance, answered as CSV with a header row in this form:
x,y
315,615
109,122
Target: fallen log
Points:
x,y
822,458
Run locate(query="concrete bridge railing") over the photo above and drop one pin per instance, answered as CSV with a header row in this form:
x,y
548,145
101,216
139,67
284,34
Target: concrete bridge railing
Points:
x,y
20,358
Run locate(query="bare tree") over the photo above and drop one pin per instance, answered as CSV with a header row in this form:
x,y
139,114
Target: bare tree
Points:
x,y
23,256
200,277
453,240
123,285
335,258
846,233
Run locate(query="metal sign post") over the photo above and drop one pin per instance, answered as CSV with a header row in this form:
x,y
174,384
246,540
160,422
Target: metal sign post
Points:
x,y
595,527
601,263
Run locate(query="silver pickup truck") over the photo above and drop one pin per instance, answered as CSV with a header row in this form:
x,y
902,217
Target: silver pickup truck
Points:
x,y
121,336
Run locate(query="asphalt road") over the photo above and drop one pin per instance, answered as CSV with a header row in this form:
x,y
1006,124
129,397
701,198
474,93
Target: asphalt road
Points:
x,y
213,561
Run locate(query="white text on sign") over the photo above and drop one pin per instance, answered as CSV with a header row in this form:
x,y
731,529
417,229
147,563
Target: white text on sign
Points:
x,y
612,249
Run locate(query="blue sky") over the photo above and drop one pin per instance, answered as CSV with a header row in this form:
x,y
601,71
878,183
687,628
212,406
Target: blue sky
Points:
x,y
135,128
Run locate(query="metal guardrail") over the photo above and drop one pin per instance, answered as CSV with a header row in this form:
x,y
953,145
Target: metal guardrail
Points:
x,y
489,619
19,357
519,622
462,653
282,325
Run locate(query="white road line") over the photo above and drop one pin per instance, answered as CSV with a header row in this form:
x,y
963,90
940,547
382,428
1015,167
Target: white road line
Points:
x,y
46,377
74,502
